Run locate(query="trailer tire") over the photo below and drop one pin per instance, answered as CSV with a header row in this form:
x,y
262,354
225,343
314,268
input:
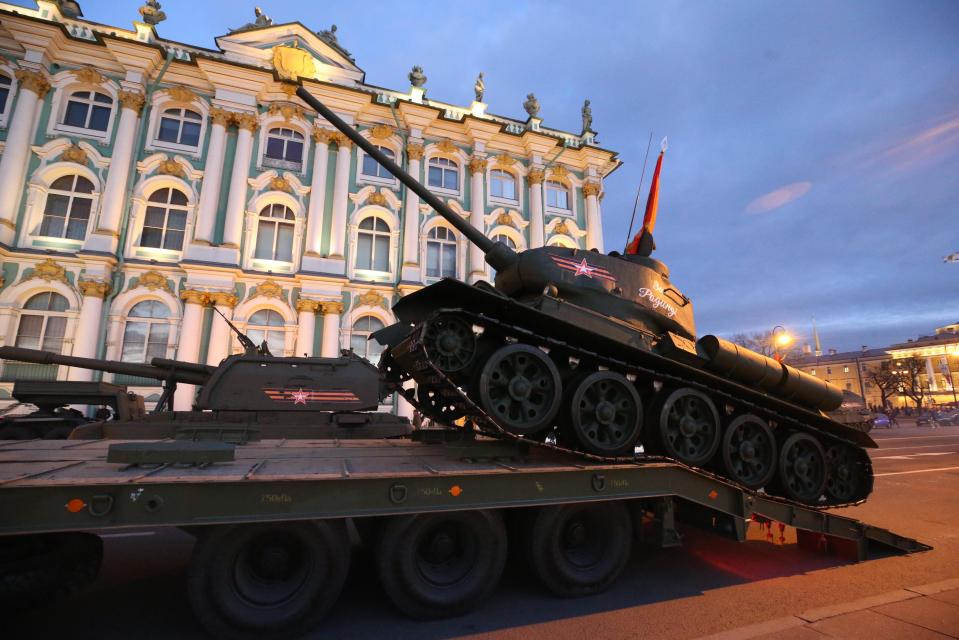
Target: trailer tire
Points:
x,y
580,549
38,570
274,580
439,565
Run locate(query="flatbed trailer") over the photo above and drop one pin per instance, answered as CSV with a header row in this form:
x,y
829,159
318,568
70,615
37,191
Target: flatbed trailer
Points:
x,y
434,507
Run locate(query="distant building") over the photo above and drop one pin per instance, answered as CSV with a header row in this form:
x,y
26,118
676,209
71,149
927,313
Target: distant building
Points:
x,y
850,370
144,182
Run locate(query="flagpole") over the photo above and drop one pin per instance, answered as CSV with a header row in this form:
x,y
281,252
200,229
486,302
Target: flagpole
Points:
x,y
639,190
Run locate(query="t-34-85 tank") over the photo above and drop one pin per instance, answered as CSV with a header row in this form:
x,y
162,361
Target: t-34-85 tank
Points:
x,y
598,353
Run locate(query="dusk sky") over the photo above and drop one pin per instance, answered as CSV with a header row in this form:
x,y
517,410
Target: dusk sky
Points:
x,y
813,163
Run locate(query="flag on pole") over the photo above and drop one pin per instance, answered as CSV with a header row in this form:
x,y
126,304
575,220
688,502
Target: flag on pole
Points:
x,y
652,204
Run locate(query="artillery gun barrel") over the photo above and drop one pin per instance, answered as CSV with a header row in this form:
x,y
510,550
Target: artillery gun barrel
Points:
x,y
498,255
185,372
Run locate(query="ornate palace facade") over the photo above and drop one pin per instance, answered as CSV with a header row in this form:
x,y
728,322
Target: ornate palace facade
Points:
x,y
145,182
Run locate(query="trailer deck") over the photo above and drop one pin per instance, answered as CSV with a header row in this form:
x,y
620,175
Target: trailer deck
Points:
x,y
73,486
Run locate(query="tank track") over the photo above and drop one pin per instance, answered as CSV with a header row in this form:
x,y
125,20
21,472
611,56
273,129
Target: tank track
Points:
x,y
409,360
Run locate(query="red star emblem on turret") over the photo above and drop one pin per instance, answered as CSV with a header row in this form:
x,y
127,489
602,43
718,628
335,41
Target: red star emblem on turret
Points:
x,y
584,269
299,397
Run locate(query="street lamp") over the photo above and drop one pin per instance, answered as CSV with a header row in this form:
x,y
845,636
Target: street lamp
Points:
x,y
780,340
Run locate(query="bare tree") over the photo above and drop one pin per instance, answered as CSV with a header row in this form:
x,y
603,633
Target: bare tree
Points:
x,y
908,373
886,381
763,342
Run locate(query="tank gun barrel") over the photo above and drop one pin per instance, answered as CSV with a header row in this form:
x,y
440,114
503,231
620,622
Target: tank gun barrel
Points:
x,y
160,369
498,255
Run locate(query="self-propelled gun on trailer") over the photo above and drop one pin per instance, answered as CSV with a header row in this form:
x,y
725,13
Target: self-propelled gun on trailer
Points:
x,y
598,353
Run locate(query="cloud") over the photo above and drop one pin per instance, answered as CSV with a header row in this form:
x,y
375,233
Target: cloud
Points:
x,y
778,198
926,147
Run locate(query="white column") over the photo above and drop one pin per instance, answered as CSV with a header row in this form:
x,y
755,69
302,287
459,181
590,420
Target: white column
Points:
x,y
341,192
537,225
220,332
477,168
403,407
305,327
88,326
212,176
411,218
330,341
16,151
314,218
189,348
114,191
594,225
236,202
931,375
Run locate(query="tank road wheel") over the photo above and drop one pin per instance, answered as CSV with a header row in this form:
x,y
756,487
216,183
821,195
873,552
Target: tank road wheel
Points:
x,y
802,468
846,477
438,565
689,427
267,580
580,549
450,343
520,388
749,451
606,414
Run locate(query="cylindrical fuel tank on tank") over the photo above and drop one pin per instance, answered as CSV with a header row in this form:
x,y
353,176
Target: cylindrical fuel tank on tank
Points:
x,y
754,369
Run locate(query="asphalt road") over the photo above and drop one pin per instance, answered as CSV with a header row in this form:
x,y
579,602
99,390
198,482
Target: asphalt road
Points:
x,y
708,585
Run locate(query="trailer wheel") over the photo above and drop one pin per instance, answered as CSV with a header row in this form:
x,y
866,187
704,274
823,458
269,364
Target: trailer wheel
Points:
x,y
272,579
749,451
802,468
438,565
689,427
580,549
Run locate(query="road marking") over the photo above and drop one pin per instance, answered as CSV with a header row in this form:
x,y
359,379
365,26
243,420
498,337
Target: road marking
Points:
x,y
954,435
128,535
918,446
912,456
902,473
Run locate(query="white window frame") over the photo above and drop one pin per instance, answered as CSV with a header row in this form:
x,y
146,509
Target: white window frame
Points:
x,y
502,200
182,119
270,121
376,234
453,239
73,196
163,101
168,208
62,98
280,329
291,222
283,163
168,321
10,73
457,193
362,178
569,212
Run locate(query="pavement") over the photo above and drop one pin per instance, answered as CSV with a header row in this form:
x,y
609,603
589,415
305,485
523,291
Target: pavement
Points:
x,y
709,586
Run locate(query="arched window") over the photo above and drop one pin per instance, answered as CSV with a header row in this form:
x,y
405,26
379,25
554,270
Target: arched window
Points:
x,y
360,338
502,184
4,92
440,253
444,173
373,245
67,210
180,126
267,325
43,324
557,195
88,110
284,149
505,239
165,220
373,168
274,234
146,333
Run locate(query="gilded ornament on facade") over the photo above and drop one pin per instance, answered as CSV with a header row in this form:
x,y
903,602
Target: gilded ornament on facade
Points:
x,y
153,280
504,218
535,176
341,140
50,271
292,63
503,161
321,136
561,228
192,296
446,146
590,189
381,131
75,153
223,299
269,289
280,184
377,198
171,167
477,165
245,121
132,100
180,93
415,151
372,299
221,117
93,288
89,75
328,307
558,172
33,81
311,306
287,110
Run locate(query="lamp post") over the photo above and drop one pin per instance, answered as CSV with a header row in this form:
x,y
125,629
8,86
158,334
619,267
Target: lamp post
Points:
x,y
779,338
